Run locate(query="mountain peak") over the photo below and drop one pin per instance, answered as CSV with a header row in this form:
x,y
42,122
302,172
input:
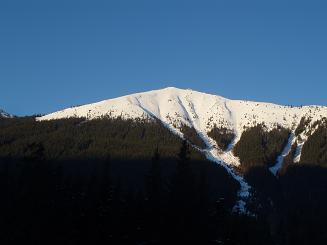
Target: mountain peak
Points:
x,y
172,90
4,114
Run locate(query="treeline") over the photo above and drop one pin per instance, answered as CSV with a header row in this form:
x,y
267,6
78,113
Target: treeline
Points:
x,y
304,123
260,147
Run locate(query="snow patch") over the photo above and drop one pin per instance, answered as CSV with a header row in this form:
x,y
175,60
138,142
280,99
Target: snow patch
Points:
x,y
287,149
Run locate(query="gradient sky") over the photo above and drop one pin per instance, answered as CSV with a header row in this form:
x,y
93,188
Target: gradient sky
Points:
x,y
55,54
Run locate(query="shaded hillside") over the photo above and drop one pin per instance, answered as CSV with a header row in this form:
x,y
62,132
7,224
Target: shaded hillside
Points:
x,y
315,148
78,138
293,205
117,181
289,159
106,181
222,136
260,147
191,135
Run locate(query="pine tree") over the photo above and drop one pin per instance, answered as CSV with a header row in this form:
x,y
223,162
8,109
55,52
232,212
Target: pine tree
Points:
x,y
183,198
105,205
154,180
154,190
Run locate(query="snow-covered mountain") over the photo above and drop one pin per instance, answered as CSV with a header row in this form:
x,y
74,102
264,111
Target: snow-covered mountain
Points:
x,y
4,114
175,107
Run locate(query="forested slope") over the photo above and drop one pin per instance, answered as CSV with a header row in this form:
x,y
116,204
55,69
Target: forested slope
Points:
x,y
118,181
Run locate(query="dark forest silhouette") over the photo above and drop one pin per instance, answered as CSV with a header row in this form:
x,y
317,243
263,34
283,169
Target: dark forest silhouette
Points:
x,y
111,181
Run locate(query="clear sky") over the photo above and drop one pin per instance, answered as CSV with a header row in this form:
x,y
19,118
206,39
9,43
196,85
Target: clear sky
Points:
x,y
55,54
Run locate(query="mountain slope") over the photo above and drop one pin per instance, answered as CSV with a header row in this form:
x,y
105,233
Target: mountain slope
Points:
x,y
176,108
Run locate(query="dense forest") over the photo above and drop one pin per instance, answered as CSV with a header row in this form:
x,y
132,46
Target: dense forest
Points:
x,y
294,204
192,136
315,149
114,181
289,159
222,136
79,138
260,147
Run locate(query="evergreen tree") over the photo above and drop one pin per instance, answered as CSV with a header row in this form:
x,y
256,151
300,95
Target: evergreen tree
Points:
x,y
154,188
183,197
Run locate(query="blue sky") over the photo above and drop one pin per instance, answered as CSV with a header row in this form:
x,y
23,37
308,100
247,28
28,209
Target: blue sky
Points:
x,y
54,54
